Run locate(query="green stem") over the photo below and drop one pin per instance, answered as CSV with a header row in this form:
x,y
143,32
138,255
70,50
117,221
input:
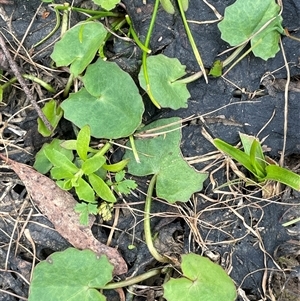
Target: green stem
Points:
x,y
192,41
190,78
294,221
144,57
147,226
135,37
30,77
134,150
133,280
68,86
105,148
91,12
52,31
115,26
244,55
234,55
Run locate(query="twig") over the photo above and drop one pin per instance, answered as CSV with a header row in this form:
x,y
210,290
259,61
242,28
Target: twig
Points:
x,y
22,82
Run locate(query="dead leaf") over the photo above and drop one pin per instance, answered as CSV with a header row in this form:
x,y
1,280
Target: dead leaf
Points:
x,y
58,206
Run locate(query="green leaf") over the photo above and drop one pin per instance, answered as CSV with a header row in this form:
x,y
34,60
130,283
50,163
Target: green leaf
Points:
x,y
53,114
83,142
245,18
125,186
93,164
59,173
257,159
42,164
60,160
161,155
101,188
84,191
202,280
236,154
216,69
119,176
116,167
84,210
163,74
112,111
70,275
107,4
65,184
283,175
168,6
79,46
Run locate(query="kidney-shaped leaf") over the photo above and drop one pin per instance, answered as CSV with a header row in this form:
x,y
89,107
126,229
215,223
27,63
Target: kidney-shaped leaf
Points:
x,y
244,18
161,155
110,102
78,46
163,73
70,275
202,280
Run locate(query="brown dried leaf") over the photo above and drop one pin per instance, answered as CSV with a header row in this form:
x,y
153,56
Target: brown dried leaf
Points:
x,y
58,206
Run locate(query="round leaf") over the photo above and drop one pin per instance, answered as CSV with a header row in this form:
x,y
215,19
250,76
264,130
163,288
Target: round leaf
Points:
x,y
70,275
163,73
110,102
78,46
161,155
203,281
244,18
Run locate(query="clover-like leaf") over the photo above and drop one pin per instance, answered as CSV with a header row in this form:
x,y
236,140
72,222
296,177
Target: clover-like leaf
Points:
x,y
245,18
79,46
107,4
161,155
163,73
84,211
110,102
70,275
202,280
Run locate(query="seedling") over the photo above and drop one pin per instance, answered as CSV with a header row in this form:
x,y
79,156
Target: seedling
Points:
x,y
85,173
253,159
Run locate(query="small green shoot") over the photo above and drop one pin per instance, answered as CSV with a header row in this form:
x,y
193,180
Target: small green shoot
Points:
x,y
53,113
84,210
253,159
85,173
122,185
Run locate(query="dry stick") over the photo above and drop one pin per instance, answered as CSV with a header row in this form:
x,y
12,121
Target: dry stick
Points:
x,y
23,84
286,104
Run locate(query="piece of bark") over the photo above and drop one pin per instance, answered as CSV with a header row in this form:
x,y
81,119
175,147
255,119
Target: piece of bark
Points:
x,y
58,206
